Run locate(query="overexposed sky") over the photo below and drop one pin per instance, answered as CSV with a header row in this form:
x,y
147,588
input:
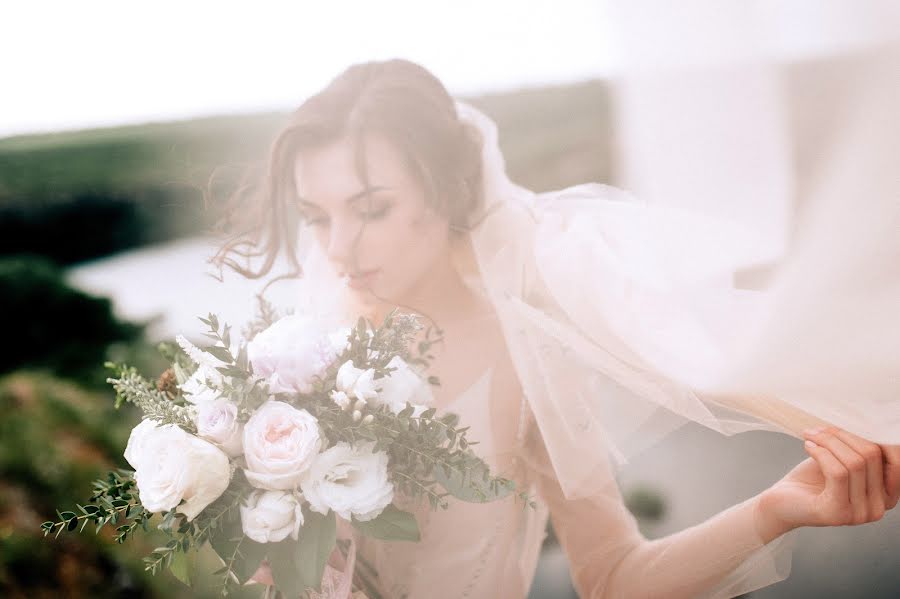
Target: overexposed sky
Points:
x,y
74,64
83,63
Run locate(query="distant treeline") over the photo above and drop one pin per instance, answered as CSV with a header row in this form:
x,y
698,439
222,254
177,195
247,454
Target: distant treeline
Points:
x,y
79,195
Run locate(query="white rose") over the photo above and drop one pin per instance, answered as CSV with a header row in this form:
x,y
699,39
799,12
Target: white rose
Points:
x,y
217,422
280,442
134,449
172,465
292,353
402,386
356,382
352,481
271,516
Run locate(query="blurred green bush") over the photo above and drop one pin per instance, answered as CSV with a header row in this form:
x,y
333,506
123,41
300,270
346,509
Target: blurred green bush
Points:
x,y
91,224
49,325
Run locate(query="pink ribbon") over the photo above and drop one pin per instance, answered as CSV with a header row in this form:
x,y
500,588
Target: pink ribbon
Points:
x,y
337,579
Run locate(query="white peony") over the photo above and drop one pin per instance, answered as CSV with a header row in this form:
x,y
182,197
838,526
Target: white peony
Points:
x,y
217,422
280,443
271,516
356,382
352,481
402,386
292,353
172,465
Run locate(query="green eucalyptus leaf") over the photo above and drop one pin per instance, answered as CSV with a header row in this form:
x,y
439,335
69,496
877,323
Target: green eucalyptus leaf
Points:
x,y
227,539
298,565
462,486
180,566
221,353
392,524
242,361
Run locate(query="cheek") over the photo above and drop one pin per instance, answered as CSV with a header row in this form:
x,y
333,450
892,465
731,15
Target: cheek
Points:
x,y
411,249
402,236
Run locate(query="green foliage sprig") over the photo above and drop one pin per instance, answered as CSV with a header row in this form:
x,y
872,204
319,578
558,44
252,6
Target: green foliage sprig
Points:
x,y
132,387
114,499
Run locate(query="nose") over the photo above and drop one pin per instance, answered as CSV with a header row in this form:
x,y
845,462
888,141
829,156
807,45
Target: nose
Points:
x,y
342,245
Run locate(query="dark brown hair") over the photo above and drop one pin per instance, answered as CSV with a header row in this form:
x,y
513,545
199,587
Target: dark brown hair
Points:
x,y
397,99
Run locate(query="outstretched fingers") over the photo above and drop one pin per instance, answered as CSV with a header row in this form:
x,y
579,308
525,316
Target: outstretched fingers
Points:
x,y
861,466
874,458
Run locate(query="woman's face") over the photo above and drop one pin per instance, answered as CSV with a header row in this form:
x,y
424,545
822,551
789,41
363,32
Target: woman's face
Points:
x,y
387,243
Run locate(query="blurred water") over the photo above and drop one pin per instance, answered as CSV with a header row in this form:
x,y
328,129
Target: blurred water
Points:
x,y
698,471
173,284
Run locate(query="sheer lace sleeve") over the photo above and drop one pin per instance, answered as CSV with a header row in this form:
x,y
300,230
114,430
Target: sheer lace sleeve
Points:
x,y
610,558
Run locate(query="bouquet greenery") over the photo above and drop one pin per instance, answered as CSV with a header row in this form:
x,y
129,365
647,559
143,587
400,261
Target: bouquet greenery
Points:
x,y
262,447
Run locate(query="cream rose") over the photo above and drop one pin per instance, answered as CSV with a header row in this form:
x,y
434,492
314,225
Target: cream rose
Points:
x,y
217,422
292,353
351,480
172,465
280,443
271,516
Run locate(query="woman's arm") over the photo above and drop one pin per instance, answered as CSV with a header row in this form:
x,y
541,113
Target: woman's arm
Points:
x,y
738,550
610,558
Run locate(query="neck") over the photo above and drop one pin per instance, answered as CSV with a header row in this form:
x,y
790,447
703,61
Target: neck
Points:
x,y
442,296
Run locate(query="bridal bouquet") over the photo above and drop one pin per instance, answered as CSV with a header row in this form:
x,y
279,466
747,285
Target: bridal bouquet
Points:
x,y
258,449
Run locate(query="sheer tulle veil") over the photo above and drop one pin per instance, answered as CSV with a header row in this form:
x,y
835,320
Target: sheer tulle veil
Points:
x,y
623,323
620,310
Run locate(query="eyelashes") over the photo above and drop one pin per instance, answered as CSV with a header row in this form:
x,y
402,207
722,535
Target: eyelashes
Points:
x,y
370,216
375,215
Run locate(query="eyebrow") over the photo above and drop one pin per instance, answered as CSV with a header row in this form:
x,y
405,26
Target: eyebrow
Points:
x,y
352,198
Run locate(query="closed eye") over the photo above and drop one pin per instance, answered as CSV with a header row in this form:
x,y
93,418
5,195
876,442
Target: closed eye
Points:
x,y
315,220
374,215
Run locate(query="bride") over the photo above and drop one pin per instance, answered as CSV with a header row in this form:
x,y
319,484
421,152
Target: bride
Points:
x,y
560,348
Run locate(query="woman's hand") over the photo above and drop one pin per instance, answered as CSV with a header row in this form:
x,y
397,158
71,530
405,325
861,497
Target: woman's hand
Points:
x,y
846,481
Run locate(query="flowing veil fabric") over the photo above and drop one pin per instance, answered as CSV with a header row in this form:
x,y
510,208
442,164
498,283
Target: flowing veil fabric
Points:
x,y
622,316
597,295
782,116
624,322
